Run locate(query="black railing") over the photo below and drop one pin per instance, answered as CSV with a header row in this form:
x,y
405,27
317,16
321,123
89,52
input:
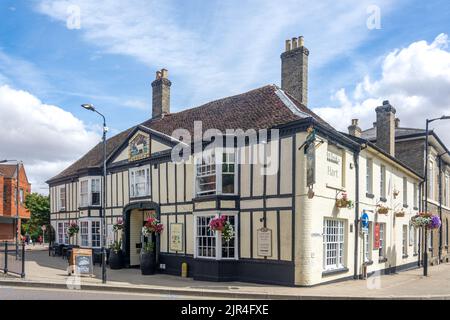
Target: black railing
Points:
x,y
12,258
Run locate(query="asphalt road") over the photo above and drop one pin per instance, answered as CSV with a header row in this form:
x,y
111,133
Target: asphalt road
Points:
x,y
19,293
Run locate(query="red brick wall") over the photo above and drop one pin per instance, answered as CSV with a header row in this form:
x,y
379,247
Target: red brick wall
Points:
x,y
10,202
7,232
1,194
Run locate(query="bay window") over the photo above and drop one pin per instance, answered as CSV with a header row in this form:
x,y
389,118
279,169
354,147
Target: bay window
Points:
x,y
90,192
333,244
140,182
90,233
210,244
216,173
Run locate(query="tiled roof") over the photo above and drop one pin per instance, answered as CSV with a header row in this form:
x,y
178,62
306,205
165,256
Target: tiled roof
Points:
x,y
371,134
257,109
8,170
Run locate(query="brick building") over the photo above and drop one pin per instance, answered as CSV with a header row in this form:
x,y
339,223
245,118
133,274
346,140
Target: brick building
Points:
x,y
410,149
8,194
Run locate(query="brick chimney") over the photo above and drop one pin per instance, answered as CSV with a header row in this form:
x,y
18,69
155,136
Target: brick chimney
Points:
x,y
294,69
354,129
161,94
386,127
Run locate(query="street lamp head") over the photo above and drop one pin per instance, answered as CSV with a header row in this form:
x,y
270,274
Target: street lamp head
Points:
x,y
88,106
445,118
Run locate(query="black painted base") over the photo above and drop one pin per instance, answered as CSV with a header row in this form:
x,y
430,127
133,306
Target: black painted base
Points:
x,y
245,270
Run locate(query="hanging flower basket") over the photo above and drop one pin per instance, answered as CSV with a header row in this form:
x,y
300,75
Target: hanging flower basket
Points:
x,y
222,225
152,225
118,225
400,214
382,209
73,229
426,219
344,202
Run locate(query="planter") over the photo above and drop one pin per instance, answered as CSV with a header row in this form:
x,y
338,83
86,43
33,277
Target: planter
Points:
x,y
148,263
116,259
400,214
383,210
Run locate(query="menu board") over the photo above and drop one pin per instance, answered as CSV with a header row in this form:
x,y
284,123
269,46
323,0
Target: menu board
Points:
x,y
81,261
264,243
176,236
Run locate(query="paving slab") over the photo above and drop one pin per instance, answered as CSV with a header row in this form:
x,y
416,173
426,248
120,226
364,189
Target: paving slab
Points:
x,y
42,270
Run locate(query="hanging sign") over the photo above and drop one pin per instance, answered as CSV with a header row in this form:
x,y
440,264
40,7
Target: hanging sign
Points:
x,y
264,237
310,164
376,236
176,236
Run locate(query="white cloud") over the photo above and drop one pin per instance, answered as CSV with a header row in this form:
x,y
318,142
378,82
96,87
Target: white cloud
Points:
x,y
218,48
45,137
415,79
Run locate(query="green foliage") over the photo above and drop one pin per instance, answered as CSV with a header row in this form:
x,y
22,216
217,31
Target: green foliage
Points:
x,y
39,206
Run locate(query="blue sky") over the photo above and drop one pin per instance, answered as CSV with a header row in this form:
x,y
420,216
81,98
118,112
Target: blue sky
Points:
x,y
212,49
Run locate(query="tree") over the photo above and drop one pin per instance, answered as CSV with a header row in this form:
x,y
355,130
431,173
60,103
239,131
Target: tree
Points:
x,y
39,206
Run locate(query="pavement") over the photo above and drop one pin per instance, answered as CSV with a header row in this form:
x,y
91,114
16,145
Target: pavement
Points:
x,y
43,271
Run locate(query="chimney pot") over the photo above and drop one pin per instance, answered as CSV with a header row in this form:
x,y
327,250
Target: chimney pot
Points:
x,y
301,41
288,45
294,43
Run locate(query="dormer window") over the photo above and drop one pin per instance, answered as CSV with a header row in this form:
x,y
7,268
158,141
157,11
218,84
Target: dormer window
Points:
x,y
216,174
90,192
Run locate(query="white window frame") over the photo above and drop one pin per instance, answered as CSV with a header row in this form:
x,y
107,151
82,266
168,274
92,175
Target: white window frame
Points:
x,y
383,191
446,190
405,240
218,161
90,222
339,241
218,256
88,202
147,181
431,181
369,176
382,248
62,207
63,232
416,195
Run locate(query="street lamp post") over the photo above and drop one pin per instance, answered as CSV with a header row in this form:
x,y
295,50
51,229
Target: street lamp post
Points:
x,y
17,202
105,129
425,251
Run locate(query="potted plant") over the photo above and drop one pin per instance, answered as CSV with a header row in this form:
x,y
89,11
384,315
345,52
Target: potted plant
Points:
x,y
344,202
400,213
427,220
382,209
151,228
221,224
115,252
148,259
72,229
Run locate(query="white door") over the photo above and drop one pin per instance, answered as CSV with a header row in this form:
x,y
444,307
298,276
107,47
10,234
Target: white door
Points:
x,y
136,219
